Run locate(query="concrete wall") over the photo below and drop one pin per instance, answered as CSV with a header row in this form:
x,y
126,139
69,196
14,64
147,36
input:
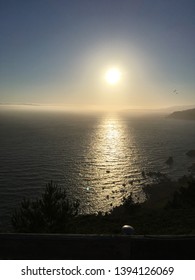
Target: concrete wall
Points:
x,y
70,247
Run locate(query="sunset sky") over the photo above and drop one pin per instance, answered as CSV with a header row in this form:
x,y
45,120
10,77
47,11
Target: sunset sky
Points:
x,y
58,52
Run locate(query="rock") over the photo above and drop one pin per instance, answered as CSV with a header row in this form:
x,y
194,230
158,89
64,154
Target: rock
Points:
x,y
192,168
169,161
191,153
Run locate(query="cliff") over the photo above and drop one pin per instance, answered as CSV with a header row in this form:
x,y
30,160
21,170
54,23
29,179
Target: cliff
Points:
x,y
183,115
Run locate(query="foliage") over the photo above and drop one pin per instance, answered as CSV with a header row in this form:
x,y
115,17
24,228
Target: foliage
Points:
x,y
184,198
126,209
51,213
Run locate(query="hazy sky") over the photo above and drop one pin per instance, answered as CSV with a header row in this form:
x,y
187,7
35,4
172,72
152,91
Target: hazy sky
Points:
x,y
57,52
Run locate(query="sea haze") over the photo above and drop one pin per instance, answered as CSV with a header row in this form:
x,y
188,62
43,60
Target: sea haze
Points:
x,y
97,158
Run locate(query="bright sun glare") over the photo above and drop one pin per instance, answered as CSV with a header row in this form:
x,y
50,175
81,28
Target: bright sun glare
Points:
x,y
113,76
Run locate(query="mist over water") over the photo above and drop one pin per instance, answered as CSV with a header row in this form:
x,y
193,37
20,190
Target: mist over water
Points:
x,y
97,158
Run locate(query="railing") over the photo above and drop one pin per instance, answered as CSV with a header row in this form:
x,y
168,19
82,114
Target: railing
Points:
x,y
70,247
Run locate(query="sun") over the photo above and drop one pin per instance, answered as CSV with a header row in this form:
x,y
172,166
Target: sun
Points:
x,y
113,76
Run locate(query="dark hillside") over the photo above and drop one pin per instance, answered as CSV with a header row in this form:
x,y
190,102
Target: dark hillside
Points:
x,y
184,115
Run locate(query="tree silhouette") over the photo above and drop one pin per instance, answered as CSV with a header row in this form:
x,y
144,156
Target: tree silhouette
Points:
x,y
51,213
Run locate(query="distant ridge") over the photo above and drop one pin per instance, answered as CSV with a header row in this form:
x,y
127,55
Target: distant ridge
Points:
x,y
177,108
183,115
19,104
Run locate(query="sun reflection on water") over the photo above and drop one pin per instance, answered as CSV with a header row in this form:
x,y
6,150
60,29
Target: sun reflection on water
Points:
x,y
111,140
110,164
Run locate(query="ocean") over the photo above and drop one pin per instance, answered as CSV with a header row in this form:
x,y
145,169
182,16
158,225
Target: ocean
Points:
x,y
98,158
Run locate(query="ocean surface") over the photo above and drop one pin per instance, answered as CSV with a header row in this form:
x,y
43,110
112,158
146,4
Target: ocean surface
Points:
x,y
97,158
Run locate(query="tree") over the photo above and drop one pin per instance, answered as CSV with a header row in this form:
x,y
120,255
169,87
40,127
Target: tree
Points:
x,y
52,213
